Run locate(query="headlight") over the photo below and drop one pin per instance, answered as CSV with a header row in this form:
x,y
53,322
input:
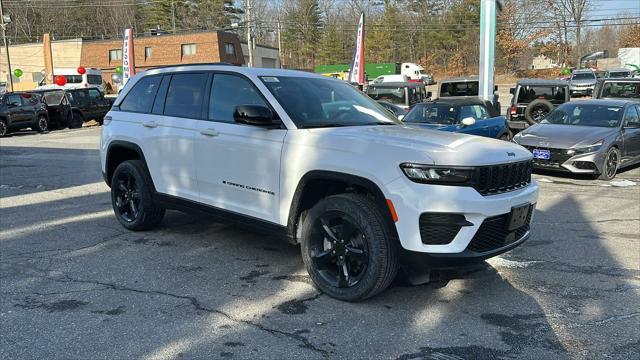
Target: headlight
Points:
x,y
586,149
438,174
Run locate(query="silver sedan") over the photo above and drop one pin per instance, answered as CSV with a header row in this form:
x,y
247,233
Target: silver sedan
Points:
x,y
596,137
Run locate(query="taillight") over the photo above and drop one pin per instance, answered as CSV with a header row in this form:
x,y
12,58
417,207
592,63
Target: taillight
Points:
x,y
514,110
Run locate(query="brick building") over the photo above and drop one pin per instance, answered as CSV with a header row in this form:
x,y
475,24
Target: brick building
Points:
x,y
166,49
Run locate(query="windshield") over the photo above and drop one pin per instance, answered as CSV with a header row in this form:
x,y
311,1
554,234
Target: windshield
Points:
x,y
466,88
313,102
583,76
624,90
73,79
585,115
618,74
444,114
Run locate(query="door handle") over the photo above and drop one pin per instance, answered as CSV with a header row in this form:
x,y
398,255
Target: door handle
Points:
x,y
150,124
209,132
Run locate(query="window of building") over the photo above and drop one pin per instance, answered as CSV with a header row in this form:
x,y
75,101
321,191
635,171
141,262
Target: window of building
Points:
x,y
185,95
147,52
115,55
230,49
229,91
188,49
140,98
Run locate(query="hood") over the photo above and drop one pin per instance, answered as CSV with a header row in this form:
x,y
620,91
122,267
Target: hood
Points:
x,y
408,144
563,136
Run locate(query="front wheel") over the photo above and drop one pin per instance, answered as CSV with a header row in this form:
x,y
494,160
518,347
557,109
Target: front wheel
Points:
x,y
611,164
132,197
348,248
4,129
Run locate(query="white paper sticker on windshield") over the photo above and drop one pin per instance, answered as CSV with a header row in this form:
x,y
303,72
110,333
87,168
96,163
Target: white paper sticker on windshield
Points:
x,y
270,79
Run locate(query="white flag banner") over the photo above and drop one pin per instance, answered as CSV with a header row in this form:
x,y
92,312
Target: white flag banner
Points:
x,y
128,61
356,72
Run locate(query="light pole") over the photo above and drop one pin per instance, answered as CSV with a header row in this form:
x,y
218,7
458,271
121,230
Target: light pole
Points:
x,y
4,21
249,38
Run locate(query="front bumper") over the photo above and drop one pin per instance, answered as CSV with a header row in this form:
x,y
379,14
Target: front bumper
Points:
x,y
589,163
581,90
411,200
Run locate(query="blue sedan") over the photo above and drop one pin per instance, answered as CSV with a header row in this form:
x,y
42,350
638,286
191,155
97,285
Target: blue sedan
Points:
x,y
464,115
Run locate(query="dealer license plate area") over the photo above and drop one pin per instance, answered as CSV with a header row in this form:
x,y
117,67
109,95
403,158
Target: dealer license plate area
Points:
x,y
541,154
518,217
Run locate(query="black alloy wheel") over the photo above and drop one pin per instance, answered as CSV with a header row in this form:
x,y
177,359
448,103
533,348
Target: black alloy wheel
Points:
x,y
127,196
339,250
3,128
349,247
611,163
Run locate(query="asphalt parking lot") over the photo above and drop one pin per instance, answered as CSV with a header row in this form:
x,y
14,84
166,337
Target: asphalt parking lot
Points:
x,y
75,284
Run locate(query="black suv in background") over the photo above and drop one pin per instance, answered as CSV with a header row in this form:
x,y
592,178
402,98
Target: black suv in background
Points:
x,y
20,110
87,104
58,107
533,99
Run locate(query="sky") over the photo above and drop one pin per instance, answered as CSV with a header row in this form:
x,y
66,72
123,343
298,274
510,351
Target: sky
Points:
x,y
610,8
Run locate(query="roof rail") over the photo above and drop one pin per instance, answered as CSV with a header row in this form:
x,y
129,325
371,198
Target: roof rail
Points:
x,y
195,64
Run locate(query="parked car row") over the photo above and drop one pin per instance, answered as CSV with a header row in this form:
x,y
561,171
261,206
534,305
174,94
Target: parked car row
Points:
x,y
42,110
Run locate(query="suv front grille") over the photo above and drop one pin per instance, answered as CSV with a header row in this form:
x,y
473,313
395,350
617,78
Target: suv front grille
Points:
x,y
440,229
494,234
557,157
496,179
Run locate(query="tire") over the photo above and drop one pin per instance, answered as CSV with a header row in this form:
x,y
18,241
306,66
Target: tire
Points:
x,y
368,255
4,129
610,165
132,197
76,120
536,110
507,136
42,124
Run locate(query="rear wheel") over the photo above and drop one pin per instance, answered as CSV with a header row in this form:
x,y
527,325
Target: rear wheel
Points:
x,y
611,164
76,120
347,248
42,124
132,197
4,129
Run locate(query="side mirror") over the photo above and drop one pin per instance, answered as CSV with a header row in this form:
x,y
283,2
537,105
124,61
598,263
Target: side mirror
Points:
x,y
256,115
468,121
512,91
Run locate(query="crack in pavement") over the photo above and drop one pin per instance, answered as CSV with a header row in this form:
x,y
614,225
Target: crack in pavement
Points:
x,y
65,251
199,306
607,320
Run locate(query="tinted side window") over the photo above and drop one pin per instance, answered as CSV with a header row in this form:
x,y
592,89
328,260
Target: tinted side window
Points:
x,y
229,91
94,94
631,117
140,98
14,100
158,104
185,95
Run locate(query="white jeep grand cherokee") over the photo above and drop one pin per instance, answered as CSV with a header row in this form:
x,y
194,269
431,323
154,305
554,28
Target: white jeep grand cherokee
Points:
x,y
313,159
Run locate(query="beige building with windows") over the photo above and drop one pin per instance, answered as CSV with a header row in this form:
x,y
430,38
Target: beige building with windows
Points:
x,y
30,59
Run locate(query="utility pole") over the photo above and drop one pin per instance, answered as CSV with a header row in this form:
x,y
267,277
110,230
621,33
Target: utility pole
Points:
x,y
173,18
279,45
249,39
3,25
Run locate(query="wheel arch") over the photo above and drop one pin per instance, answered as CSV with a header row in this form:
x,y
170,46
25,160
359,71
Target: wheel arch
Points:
x,y
118,152
317,184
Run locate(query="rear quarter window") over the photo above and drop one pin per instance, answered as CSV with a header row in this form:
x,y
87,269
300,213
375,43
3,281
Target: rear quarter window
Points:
x,y
140,98
555,94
